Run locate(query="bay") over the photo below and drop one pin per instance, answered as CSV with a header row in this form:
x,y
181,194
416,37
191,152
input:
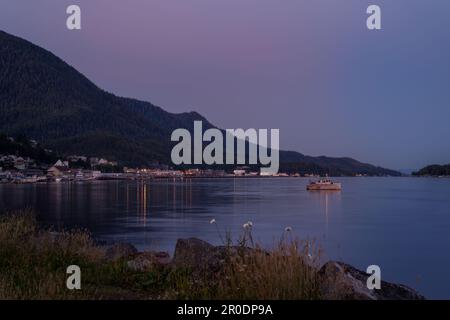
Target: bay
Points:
x,y
400,224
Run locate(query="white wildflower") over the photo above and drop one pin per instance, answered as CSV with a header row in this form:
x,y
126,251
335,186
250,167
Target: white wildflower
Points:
x,y
212,221
247,225
288,229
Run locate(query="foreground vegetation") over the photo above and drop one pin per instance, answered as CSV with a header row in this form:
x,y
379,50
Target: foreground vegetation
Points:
x,y
33,264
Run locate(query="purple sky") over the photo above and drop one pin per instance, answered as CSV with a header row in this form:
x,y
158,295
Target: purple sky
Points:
x,y
308,67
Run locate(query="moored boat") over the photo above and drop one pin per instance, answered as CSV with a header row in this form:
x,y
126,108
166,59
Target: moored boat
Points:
x,y
324,184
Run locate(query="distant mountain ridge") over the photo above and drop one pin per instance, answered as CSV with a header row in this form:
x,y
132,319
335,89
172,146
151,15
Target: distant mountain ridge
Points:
x,y
434,170
44,98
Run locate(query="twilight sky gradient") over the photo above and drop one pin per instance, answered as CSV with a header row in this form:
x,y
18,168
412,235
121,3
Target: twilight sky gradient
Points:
x,y
308,67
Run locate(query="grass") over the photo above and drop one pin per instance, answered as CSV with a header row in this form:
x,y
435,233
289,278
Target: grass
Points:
x,y
33,264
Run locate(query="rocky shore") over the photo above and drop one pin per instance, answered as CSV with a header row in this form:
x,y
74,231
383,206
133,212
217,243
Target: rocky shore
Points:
x,y
34,264
337,280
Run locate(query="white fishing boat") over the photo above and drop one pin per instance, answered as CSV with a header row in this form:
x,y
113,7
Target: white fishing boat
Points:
x,y
324,184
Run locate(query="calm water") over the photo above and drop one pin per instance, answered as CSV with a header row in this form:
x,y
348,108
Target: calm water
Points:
x,y
400,224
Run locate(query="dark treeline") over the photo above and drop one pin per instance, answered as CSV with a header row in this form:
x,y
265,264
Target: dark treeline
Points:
x,y
22,147
434,170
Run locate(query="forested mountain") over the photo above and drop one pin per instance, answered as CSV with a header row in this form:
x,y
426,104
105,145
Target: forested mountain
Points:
x,y
45,99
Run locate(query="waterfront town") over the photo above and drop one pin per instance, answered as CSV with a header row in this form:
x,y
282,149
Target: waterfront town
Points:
x,y
24,160
18,169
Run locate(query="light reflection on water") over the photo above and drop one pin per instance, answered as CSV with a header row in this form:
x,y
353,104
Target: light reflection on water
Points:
x,y
400,224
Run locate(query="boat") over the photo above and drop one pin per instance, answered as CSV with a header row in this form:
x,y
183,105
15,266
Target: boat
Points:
x,y
324,184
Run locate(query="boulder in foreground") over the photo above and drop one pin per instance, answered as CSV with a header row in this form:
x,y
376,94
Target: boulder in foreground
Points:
x,y
343,282
336,280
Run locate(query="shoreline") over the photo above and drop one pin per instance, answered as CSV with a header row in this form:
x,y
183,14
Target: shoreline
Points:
x,y
38,259
146,179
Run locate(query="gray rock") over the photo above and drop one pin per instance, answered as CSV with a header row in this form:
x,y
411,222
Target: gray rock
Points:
x,y
195,254
146,261
119,251
203,258
340,281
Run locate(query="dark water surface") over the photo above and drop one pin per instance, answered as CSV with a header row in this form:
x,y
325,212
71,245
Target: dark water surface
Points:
x,y
400,224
